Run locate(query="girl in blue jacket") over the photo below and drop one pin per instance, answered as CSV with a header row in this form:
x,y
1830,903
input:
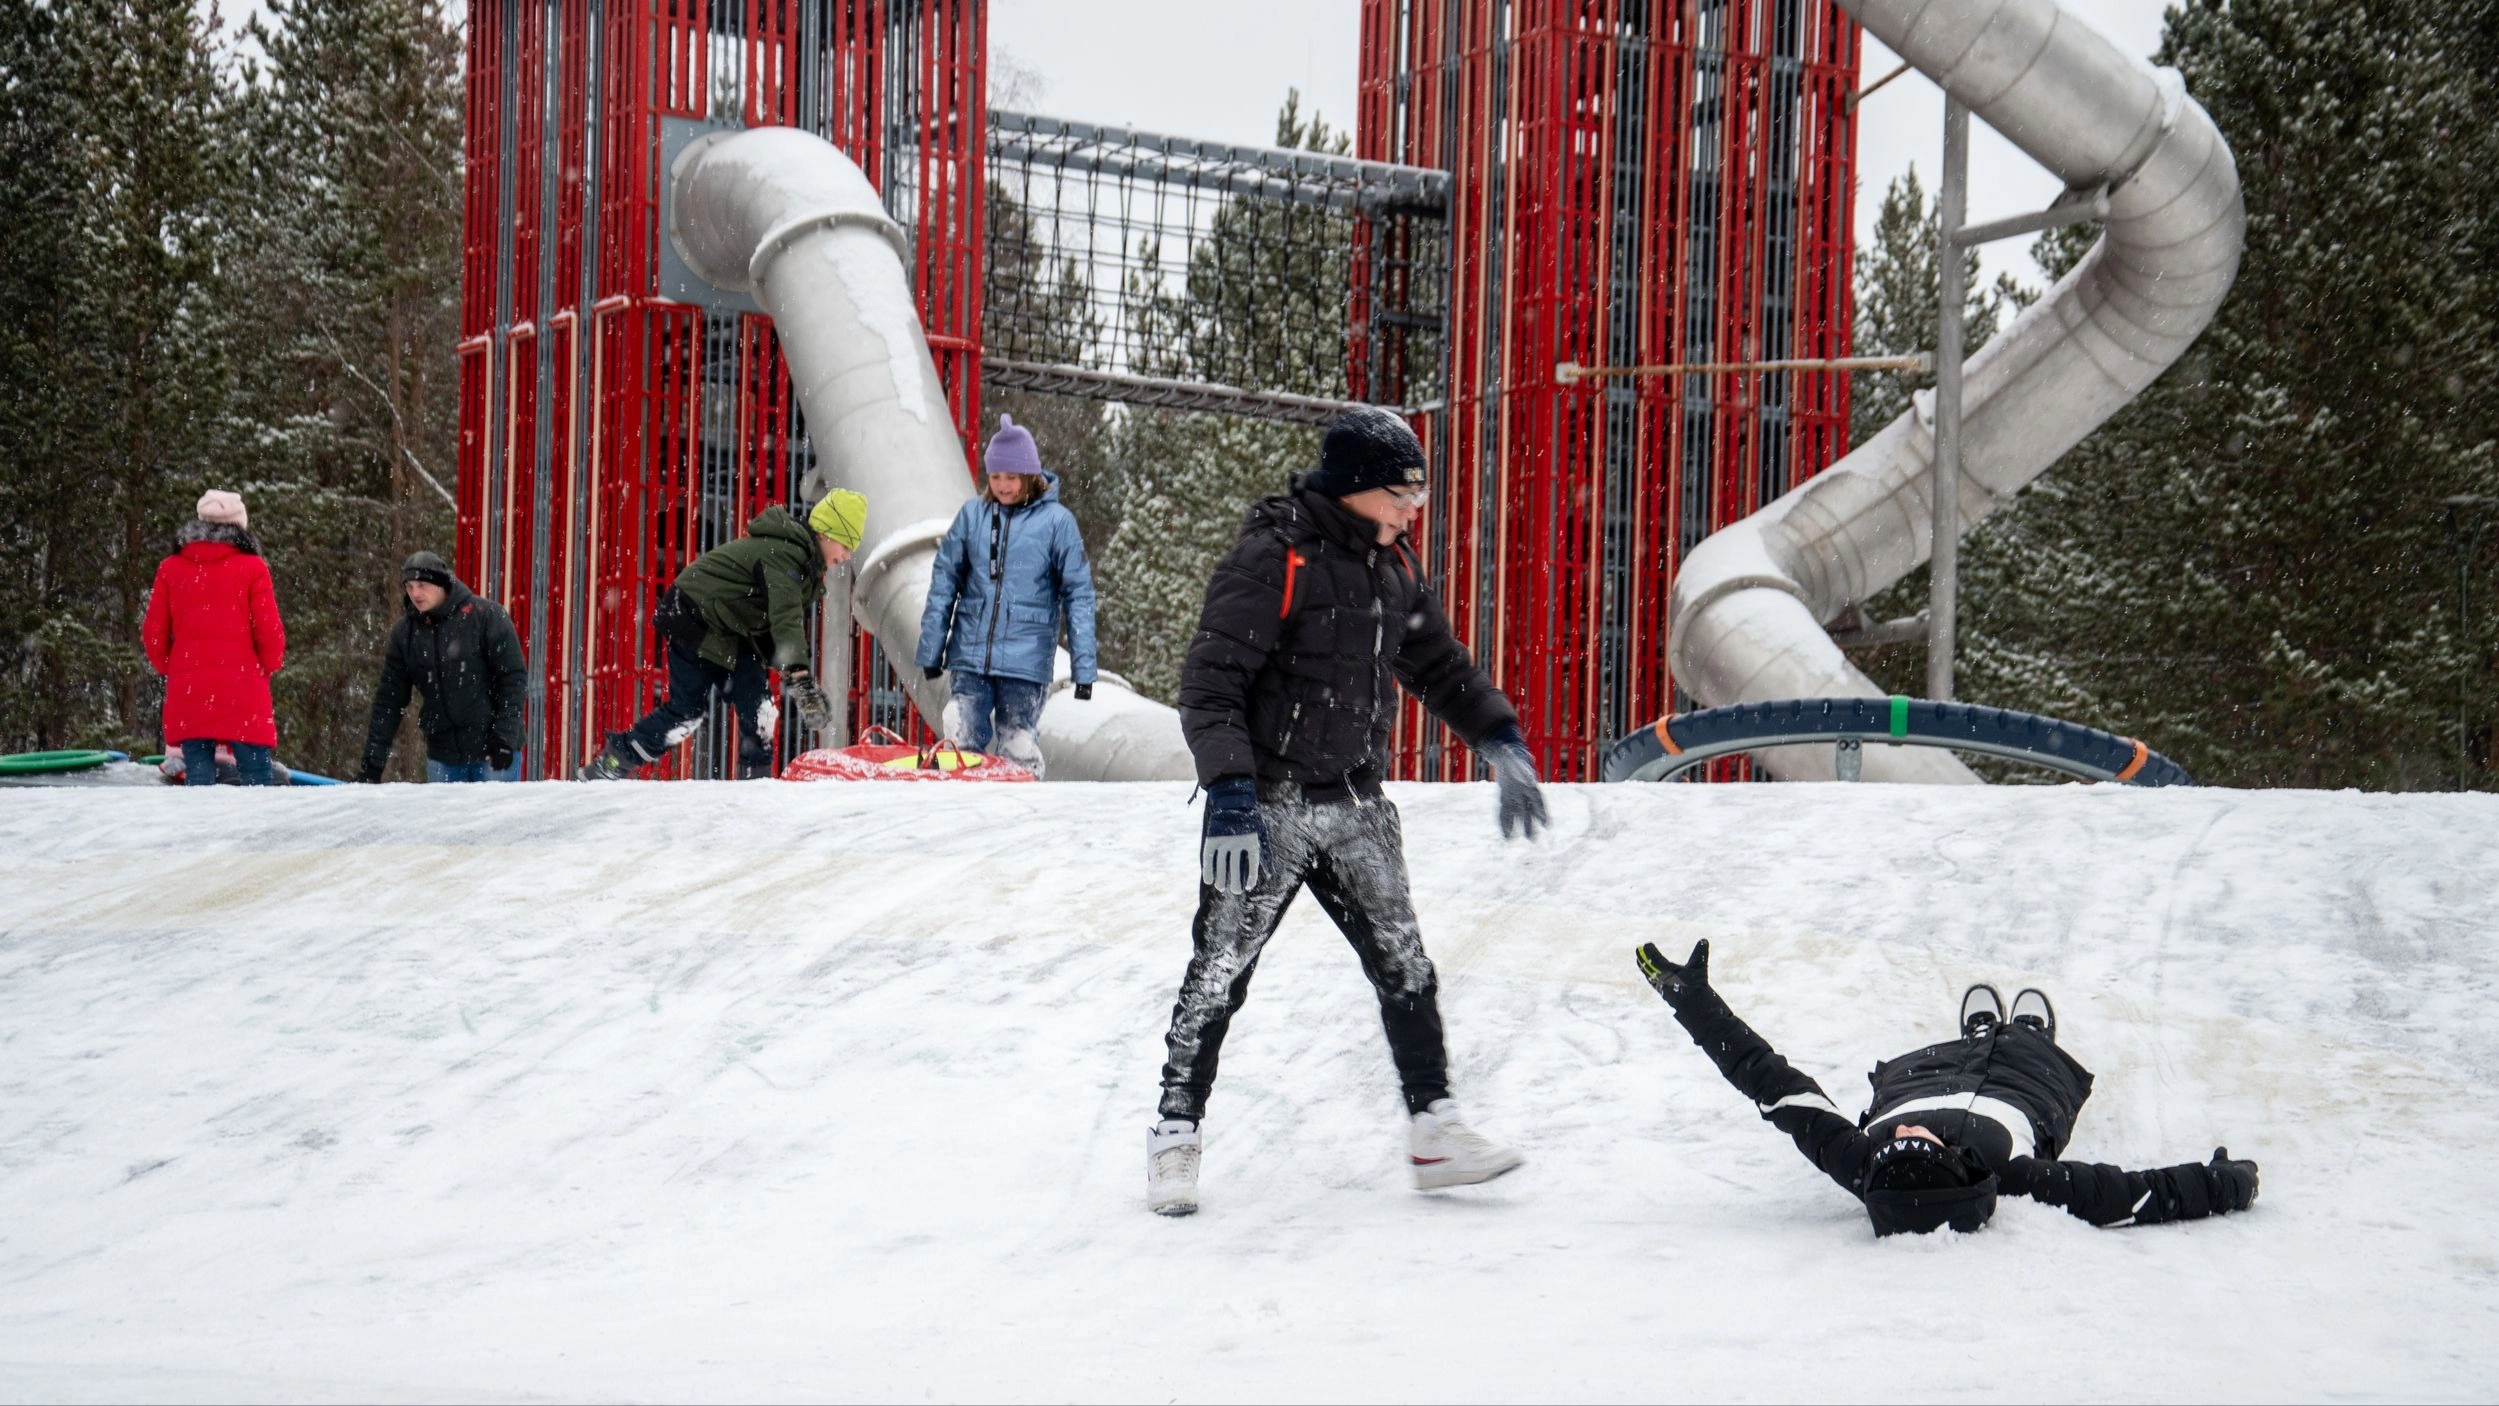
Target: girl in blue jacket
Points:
x,y
1010,566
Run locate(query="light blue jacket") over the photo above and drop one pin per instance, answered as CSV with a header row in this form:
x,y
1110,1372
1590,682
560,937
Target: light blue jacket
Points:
x,y
1003,576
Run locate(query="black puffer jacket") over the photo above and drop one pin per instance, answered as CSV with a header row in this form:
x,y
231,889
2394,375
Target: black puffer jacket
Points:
x,y
1308,628
2020,1068
465,658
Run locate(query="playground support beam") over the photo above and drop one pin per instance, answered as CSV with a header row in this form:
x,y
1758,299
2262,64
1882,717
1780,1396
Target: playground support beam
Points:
x,y
1944,568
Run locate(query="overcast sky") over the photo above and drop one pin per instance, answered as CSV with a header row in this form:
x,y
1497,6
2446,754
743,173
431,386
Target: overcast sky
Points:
x,y
1219,71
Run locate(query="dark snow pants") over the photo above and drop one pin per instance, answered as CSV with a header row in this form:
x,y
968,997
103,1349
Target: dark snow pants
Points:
x,y
1352,855
692,680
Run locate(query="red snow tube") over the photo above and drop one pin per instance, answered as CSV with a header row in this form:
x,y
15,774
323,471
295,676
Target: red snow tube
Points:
x,y
882,756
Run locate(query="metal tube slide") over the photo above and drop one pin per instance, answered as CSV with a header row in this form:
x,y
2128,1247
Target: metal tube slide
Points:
x,y
1749,603
782,215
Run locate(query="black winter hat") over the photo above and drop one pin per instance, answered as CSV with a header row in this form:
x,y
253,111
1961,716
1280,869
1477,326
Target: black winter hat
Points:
x,y
1366,448
425,566
1914,1186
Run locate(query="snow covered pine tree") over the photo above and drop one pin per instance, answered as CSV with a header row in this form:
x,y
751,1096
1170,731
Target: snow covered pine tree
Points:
x,y
1951,1124
1287,697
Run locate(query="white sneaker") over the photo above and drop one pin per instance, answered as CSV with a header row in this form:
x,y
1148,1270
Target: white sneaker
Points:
x,y
1446,1152
1171,1157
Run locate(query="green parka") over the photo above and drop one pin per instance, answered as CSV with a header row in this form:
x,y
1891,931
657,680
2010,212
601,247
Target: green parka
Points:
x,y
753,593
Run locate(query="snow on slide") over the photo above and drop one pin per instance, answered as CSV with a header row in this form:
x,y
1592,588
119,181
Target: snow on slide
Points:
x,y
709,1092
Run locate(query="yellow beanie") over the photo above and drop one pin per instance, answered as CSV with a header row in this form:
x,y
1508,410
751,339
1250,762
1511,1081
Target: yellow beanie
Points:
x,y
842,516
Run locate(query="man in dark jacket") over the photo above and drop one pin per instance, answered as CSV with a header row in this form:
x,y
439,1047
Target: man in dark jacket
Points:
x,y
462,654
733,612
1952,1125
1287,697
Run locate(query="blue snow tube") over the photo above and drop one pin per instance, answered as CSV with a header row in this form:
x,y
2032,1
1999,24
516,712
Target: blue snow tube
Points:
x,y
1673,745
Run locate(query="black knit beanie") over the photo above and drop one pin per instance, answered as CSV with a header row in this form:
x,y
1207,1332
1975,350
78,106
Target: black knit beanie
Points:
x,y
425,566
1366,448
1914,1187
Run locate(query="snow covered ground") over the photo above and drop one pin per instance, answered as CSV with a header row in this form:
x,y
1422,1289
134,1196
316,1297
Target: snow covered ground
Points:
x,y
718,1092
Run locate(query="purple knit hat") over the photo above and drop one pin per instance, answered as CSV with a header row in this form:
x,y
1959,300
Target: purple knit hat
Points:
x,y
1011,450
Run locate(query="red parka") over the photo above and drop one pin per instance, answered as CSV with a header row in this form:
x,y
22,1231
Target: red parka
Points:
x,y
213,631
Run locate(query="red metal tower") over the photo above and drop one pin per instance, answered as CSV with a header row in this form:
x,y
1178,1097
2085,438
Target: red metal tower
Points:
x,y
1633,182
615,421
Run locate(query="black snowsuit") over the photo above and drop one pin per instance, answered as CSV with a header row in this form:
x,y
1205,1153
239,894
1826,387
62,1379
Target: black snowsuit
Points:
x,y
1308,627
2010,1096
464,656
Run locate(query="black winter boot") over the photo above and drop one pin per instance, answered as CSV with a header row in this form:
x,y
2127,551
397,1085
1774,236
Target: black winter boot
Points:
x,y
1982,1010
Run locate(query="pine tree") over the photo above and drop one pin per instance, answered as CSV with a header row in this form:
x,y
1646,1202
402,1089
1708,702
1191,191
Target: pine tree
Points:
x,y
129,373
351,263
47,643
1260,305
1899,302
1898,287
2249,566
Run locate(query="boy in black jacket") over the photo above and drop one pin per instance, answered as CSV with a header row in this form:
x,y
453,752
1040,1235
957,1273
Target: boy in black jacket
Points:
x,y
1312,621
1951,1125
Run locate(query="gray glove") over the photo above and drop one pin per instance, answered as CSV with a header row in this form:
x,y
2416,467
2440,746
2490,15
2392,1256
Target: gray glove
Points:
x,y
814,709
1522,801
1234,853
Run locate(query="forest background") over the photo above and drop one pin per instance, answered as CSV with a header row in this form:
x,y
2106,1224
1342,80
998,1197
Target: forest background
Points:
x,y
232,260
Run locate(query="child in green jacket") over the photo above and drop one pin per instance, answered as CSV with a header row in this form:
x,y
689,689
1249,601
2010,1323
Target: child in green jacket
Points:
x,y
735,611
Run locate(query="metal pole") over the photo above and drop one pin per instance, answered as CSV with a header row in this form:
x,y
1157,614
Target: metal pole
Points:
x,y
1944,562
2464,539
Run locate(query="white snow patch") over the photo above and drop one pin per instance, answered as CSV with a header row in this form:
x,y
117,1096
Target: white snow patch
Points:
x,y
865,266
839,1091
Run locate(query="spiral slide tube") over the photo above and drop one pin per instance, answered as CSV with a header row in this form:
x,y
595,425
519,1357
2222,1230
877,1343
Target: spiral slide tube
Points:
x,y
782,215
1749,604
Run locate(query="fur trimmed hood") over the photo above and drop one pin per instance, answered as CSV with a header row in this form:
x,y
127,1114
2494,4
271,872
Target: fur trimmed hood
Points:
x,y
202,530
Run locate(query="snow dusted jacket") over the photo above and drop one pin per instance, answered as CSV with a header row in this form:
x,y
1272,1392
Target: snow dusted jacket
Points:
x,y
464,656
754,592
2010,1096
212,629
1003,578
1308,627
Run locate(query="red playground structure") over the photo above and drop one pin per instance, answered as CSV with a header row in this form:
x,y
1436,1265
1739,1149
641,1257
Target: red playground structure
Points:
x,y
1548,194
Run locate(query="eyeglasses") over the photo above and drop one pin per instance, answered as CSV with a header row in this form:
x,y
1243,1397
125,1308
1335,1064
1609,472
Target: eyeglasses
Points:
x,y
1410,497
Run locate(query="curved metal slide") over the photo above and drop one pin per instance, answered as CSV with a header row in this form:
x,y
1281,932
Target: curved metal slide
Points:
x,y
1748,606
782,215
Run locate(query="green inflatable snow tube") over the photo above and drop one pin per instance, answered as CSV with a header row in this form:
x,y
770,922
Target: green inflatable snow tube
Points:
x,y
37,763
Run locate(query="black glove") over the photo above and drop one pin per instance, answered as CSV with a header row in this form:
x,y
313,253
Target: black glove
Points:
x,y
814,709
1235,853
2231,1181
1084,693
1522,802
932,671
1676,983
500,759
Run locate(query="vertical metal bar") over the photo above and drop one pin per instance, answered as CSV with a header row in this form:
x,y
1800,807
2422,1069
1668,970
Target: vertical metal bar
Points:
x,y
1944,567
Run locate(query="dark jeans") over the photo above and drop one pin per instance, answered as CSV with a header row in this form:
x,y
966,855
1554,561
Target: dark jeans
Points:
x,y
691,682
1352,856
989,708
199,762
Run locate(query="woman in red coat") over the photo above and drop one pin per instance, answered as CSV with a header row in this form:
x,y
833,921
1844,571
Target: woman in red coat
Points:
x,y
212,630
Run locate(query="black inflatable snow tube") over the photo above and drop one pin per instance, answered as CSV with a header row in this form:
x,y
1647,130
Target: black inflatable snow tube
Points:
x,y
1670,745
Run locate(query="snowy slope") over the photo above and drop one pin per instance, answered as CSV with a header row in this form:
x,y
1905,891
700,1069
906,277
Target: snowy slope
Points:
x,y
719,1092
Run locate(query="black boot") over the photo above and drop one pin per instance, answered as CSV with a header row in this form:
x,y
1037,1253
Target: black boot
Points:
x,y
2031,1008
1982,1010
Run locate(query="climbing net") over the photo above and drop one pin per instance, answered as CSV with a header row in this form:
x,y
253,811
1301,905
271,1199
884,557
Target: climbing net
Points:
x,y
1185,274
